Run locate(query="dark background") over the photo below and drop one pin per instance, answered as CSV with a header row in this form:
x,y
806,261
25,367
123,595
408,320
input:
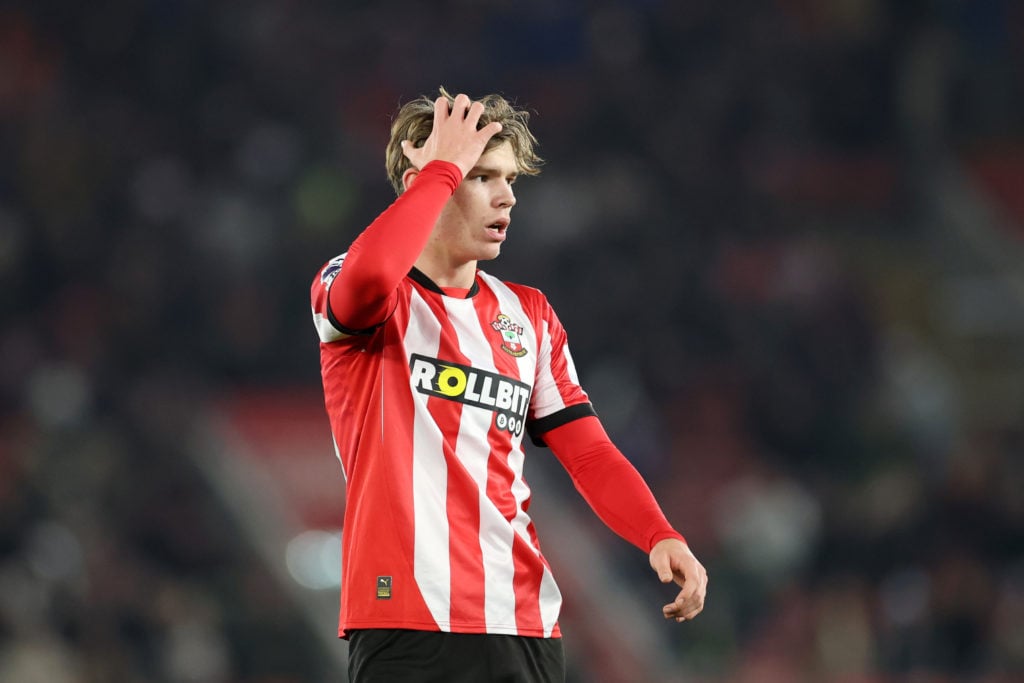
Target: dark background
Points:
x,y
784,237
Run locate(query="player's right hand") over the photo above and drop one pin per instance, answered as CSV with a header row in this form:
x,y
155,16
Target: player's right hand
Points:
x,y
454,137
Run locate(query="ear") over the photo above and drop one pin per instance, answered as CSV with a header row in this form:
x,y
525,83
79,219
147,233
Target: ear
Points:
x,y
410,175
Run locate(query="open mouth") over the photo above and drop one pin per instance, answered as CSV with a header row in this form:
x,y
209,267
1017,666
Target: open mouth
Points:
x,y
498,228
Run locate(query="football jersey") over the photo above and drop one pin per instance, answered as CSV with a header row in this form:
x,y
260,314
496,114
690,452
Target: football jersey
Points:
x,y
428,412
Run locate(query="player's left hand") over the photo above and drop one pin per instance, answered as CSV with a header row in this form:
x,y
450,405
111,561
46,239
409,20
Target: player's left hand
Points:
x,y
673,561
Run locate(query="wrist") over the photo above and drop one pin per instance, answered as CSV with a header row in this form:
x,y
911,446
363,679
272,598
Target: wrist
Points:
x,y
669,534
445,169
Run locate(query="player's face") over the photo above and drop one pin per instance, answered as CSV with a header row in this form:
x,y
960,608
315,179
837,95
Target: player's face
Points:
x,y
475,220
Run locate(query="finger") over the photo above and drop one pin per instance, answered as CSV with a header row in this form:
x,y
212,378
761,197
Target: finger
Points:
x,y
489,131
683,613
440,110
672,611
460,106
676,607
688,607
689,587
690,591
687,598
492,128
407,149
692,606
693,611
663,567
473,113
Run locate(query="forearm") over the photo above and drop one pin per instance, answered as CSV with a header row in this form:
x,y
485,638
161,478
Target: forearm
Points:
x,y
387,249
609,483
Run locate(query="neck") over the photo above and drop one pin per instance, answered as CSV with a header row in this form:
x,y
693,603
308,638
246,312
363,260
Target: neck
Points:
x,y
448,275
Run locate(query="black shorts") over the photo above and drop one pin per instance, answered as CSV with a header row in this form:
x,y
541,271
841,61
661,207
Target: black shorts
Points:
x,y
385,655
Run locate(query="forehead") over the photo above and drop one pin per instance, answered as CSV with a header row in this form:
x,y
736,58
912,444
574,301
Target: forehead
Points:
x,y
500,158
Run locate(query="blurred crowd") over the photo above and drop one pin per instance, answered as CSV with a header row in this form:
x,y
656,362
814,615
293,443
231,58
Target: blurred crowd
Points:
x,y
732,223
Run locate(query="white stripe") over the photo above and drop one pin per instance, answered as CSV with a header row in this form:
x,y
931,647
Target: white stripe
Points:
x,y
473,450
550,602
570,365
431,560
337,453
510,304
325,330
546,397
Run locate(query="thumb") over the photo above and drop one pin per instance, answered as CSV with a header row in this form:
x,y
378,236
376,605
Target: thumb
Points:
x,y
661,565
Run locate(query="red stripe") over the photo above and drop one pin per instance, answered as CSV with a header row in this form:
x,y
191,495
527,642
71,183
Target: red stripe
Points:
x,y
467,576
528,578
397,416
371,506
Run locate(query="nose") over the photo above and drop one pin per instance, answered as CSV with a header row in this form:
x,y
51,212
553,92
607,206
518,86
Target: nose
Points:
x,y
505,198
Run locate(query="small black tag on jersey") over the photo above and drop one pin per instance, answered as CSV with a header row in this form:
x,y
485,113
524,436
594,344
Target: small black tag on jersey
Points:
x,y
383,587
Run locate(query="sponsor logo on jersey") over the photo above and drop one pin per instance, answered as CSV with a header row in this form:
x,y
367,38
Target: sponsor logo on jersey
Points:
x,y
383,587
507,398
511,335
331,270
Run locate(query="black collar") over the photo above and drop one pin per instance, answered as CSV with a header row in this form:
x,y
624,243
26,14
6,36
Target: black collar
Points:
x,y
417,275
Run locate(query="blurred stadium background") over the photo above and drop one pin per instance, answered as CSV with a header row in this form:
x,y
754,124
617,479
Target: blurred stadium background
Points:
x,y
785,237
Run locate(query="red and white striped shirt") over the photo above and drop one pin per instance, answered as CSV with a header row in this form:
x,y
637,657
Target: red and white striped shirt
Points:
x,y
428,412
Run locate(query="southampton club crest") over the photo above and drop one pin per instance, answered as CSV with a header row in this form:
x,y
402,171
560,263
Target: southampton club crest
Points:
x,y
511,341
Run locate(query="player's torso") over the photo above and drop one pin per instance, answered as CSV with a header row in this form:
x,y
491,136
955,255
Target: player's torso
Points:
x,y
471,362
437,496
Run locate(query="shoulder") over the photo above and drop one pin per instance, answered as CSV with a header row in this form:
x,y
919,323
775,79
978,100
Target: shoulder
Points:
x,y
525,293
531,300
328,271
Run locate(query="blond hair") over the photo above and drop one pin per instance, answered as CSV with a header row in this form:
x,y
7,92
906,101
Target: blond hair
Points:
x,y
415,120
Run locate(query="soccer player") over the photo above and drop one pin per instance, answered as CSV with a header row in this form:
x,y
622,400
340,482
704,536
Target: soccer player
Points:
x,y
433,371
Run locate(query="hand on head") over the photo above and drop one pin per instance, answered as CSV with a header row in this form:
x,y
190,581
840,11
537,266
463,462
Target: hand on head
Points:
x,y
454,136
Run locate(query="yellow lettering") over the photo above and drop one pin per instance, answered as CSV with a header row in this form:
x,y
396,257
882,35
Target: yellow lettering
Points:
x,y
451,381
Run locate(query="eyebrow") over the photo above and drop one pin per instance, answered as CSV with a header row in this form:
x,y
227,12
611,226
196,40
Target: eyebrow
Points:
x,y
492,171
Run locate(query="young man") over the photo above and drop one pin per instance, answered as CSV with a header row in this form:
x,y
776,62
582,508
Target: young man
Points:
x,y
432,372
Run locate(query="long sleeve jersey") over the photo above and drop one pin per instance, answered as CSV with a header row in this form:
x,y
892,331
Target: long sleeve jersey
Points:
x,y
429,397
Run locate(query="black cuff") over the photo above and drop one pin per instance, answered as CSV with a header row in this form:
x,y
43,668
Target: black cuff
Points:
x,y
348,330
537,428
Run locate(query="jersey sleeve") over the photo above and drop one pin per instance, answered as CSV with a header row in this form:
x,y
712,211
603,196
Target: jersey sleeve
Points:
x,y
557,396
328,328
610,484
355,292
